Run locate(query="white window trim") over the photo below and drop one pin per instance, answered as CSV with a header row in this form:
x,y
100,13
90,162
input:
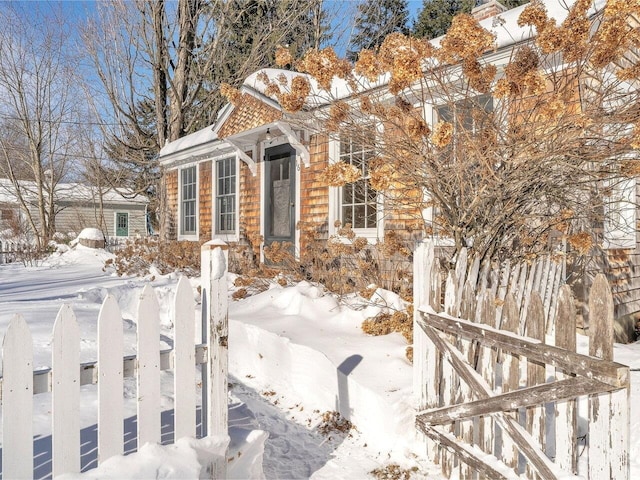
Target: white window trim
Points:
x,y
373,235
196,235
615,236
226,236
115,224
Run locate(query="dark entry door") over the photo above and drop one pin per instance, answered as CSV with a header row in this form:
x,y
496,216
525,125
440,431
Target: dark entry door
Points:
x,y
280,194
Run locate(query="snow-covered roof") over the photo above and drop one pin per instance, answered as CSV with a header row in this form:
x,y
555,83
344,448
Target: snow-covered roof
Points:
x,y
318,96
73,192
508,32
504,26
200,137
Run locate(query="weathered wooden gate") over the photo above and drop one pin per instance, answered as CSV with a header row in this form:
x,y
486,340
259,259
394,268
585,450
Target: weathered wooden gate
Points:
x,y
499,382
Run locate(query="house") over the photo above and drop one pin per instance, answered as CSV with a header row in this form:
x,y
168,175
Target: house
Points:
x,y
254,177
119,213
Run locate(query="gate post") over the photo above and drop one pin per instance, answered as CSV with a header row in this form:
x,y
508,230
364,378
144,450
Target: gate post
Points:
x,y
215,333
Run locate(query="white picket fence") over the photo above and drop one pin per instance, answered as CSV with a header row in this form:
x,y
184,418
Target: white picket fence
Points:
x,y
64,379
9,250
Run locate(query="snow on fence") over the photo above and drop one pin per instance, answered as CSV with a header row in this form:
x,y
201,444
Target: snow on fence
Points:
x,y
494,399
63,380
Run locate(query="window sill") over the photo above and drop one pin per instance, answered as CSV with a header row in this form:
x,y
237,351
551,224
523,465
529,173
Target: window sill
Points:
x,y
190,237
226,237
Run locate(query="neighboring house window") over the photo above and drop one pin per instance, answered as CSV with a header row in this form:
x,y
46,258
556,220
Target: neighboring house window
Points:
x,y
122,224
358,200
188,210
620,214
226,195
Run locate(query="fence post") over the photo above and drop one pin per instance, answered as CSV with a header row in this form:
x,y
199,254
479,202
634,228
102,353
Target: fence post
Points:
x,y
426,289
609,437
65,396
214,268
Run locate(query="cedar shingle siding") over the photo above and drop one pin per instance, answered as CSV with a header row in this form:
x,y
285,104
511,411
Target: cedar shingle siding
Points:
x,y
248,114
171,215
249,208
314,194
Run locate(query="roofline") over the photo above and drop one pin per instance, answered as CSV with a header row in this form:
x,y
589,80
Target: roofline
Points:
x,y
226,111
191,151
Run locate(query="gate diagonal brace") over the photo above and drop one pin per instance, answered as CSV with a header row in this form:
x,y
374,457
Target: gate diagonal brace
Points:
x,y
526,444
548,392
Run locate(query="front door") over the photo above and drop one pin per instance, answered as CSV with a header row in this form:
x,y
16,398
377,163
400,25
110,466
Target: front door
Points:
x,y
280,194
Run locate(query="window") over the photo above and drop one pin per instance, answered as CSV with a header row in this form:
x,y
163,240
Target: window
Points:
x,y
359,201
188,187
469,117
122,224
226,195
461,113
620,215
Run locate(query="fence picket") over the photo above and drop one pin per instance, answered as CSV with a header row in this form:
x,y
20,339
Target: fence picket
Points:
x,y
449,380
485,366
461,273
536,375
17,400
65,396
501,288
110,380
467,312
547,289
148,378
565,413
520,291
510,374
184,362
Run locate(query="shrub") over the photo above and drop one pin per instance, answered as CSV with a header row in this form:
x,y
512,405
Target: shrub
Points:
x,y
393,471
138,256
334,422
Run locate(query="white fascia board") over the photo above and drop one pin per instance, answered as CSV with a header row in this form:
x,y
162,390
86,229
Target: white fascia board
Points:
x,y
260,96
216,147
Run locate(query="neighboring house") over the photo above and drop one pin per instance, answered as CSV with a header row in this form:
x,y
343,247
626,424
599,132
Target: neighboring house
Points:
x,y
253,178
118,213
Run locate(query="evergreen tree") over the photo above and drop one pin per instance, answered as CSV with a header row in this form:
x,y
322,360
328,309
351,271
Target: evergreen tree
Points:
x,y
375,20
253,29
435,17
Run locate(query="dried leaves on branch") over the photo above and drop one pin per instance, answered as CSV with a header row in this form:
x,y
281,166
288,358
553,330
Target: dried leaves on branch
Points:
x,y
508,160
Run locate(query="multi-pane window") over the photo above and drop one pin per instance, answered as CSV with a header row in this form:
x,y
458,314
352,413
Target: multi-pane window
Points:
x,y
466,114
226,195
359,200
188,188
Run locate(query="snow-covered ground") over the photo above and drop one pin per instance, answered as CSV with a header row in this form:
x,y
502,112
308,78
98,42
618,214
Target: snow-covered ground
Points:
x,y
295,353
